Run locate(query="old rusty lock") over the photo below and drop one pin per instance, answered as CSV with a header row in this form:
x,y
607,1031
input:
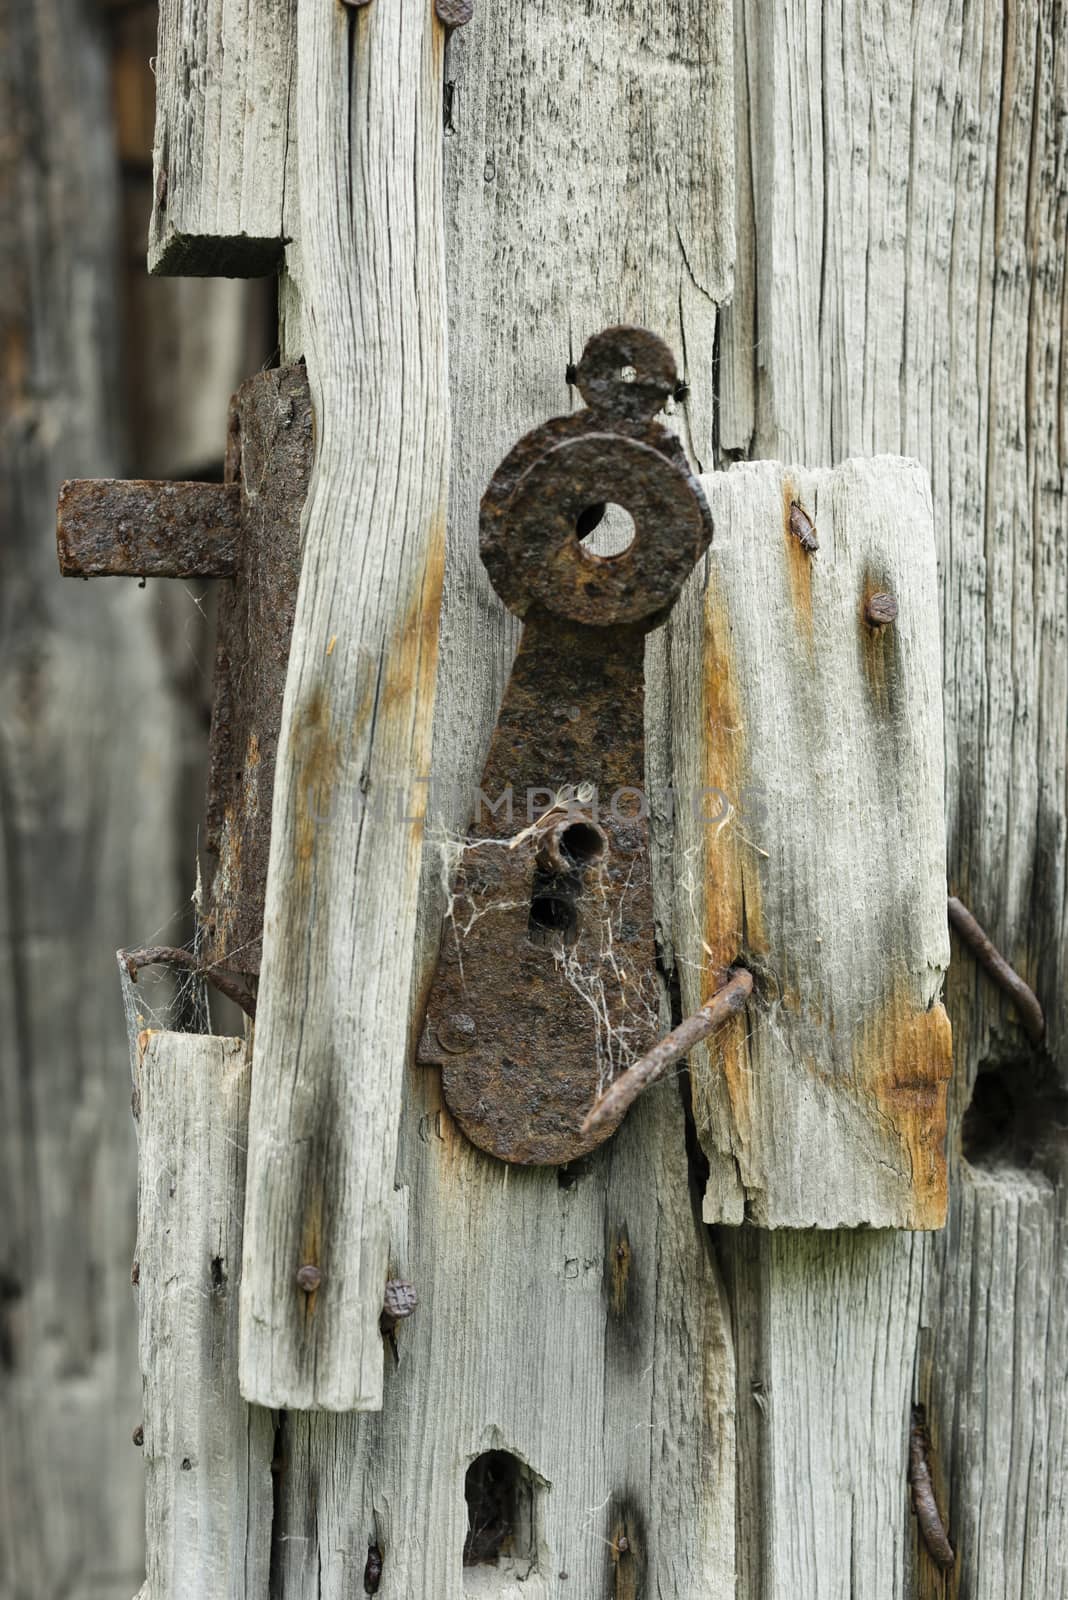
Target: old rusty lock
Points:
x,y
546,987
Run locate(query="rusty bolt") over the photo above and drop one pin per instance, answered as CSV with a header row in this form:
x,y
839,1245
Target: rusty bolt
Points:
x,y
398,1302
880,610
457,1033
454,13
138,1435
309,1278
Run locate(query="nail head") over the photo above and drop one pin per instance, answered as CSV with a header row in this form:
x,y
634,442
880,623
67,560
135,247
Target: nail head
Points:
x,y
457,1032
880,610
309,1278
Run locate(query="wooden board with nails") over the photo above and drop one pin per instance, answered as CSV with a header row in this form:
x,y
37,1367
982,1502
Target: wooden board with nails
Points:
x,y
810,847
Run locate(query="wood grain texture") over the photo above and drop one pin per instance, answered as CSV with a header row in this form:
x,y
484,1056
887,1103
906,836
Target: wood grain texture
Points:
x,y
996,1306
87,830
578,1322
825,1328
207,1454
347,818
222,158
903,191
580,1327
810,847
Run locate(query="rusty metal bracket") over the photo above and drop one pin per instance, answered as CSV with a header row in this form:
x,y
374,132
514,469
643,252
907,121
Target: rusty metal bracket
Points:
x,y
247,531
546,988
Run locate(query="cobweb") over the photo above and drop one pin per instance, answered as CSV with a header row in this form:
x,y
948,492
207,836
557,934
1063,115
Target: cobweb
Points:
x,y
166,997
625,1009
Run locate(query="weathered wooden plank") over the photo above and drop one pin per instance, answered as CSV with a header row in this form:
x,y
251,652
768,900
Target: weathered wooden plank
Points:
x,y
207,1454
87,854
225,80
577,1325
993,1364
575,1321
906,294
345,855
810,847
822,1486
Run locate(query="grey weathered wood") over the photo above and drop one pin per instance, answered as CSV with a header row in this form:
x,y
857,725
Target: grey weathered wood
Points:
x,y
225,77
997,1309
902,204
810,847
87,848
355,737
207,1453
621,1398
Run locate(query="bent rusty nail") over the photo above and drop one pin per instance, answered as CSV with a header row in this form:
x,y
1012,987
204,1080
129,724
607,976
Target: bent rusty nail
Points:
x,y
924,1504
1023,997
159,955
655,1063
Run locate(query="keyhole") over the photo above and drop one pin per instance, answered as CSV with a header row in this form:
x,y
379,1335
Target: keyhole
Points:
x,y
553,912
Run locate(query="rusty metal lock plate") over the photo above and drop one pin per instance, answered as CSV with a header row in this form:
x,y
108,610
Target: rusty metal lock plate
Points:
x,y
546,986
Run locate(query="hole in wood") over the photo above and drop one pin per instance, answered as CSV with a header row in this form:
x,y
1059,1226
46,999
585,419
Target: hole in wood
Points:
x,y
499,1491
605,531
1018,1115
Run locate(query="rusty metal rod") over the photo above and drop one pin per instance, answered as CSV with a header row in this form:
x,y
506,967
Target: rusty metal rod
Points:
x,y
158,955
130,528
1024,999
655,1063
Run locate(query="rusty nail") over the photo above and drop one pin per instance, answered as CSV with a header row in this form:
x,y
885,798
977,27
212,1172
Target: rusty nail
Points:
x,y
1023,997
169,955
622,1544
803,528
457,1032
135,1274
398,1302
454,13
309,1278
880,610
655,1063
138,1435
356,4
932,1528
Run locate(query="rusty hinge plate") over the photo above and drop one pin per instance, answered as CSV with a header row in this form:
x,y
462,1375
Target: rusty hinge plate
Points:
x,y
247,531
546,984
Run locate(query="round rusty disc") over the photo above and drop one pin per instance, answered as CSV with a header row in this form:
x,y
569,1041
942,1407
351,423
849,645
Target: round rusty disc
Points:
x,y
650,365
534,555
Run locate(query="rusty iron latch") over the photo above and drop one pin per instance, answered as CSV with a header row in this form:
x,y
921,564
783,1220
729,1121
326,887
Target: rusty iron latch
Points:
x,y
546,989
246,530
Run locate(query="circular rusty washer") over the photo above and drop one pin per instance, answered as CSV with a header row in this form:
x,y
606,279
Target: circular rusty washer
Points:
x,y
533,554
605,359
